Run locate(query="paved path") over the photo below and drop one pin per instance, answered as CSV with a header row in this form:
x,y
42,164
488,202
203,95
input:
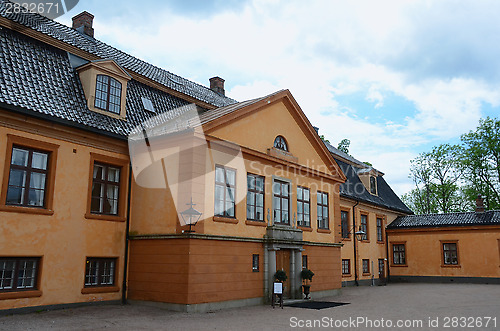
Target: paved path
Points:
x,y
414,304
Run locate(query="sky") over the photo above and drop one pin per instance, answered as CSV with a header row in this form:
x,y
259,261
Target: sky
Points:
x,y
393,77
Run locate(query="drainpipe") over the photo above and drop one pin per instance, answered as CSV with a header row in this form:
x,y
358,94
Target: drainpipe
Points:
x,y
127,228
354,240
388,257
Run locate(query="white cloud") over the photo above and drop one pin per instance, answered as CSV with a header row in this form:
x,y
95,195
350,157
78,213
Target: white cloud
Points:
x,y
439,57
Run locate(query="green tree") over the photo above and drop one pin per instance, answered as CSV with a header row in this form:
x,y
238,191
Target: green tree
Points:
x,y
480,161
436,175
343,146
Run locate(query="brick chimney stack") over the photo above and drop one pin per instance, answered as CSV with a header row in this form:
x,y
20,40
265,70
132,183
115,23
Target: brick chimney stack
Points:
x,y
217,85
479,204
83,23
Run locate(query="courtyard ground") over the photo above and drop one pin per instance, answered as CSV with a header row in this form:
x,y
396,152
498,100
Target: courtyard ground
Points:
x,y
396,306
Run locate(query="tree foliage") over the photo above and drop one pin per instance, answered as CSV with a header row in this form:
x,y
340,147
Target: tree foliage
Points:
x,y
450,177
343,146
481,162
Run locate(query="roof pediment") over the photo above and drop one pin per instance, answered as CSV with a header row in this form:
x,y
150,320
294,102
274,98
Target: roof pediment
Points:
x,y
108,66
243,117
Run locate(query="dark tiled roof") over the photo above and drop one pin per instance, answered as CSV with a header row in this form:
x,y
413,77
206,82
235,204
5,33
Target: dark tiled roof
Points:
x,y
353,188
39,78
104,51
338,153
446,220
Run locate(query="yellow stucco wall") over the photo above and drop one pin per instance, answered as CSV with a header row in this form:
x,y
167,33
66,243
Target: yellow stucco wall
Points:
x,y
66,238
478,252
371,249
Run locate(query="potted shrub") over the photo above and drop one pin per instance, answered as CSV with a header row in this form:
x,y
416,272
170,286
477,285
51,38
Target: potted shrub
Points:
x,y
307,276
280,276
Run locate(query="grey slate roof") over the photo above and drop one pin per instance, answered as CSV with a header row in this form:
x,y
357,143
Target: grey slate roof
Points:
x,y
104,51
353,188
39,79
446,220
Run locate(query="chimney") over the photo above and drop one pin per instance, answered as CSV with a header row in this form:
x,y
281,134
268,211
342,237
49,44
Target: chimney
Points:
x,y
217,85
479,204
83,23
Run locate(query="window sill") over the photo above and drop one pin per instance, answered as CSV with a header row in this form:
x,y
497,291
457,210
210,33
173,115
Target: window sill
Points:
x,y
305,228
399,265
380,242
366,274
225,219
451,266
255,223
346,275
101,217
364,241
20,294
346,239
103,289
323,231
26,210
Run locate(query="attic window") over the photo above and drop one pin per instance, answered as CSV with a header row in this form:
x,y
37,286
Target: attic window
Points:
x,y
373,185
108,93
280,143
148,105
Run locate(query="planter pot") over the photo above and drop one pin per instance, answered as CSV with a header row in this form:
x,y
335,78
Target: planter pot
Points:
x,y
307,290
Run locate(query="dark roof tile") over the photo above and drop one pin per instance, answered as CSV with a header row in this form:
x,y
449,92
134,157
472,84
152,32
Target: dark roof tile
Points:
x,y
446,220
104,51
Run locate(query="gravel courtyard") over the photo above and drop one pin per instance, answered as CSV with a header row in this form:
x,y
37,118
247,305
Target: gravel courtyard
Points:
x,y
396,306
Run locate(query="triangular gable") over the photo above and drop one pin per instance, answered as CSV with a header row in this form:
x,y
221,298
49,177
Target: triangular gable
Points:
x,y
221,119
109,66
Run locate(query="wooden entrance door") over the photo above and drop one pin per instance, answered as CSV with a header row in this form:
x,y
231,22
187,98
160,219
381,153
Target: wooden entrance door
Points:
x,y
381,271
283,263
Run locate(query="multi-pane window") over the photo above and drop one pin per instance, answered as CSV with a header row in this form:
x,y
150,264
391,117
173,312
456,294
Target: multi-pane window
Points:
x,y
304,261
28,177
18,274
280,143
373,185
366,266
398,254
281,202
364,227
450,256
255,197
105,189
303,207
346,267
225,189
108,93
380,236
100,272
344,223
255,262
322,209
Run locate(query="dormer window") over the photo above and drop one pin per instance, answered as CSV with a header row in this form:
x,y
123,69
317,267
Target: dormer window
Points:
x,y
104,83
280,143
108,93
373,185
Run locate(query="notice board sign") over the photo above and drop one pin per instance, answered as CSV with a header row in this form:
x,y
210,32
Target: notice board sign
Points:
x,y
278,288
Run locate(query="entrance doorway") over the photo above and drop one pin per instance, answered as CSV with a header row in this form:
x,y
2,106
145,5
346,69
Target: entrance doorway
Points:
x,y
381,271
283,263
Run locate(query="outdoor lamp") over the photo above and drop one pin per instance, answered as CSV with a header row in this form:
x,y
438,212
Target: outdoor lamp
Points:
x,y
189,215
359,235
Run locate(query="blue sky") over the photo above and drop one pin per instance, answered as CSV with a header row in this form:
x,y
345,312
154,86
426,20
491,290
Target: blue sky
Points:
x,y
394,77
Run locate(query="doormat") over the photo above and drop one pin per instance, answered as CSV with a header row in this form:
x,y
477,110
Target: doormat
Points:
x,y
317,304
